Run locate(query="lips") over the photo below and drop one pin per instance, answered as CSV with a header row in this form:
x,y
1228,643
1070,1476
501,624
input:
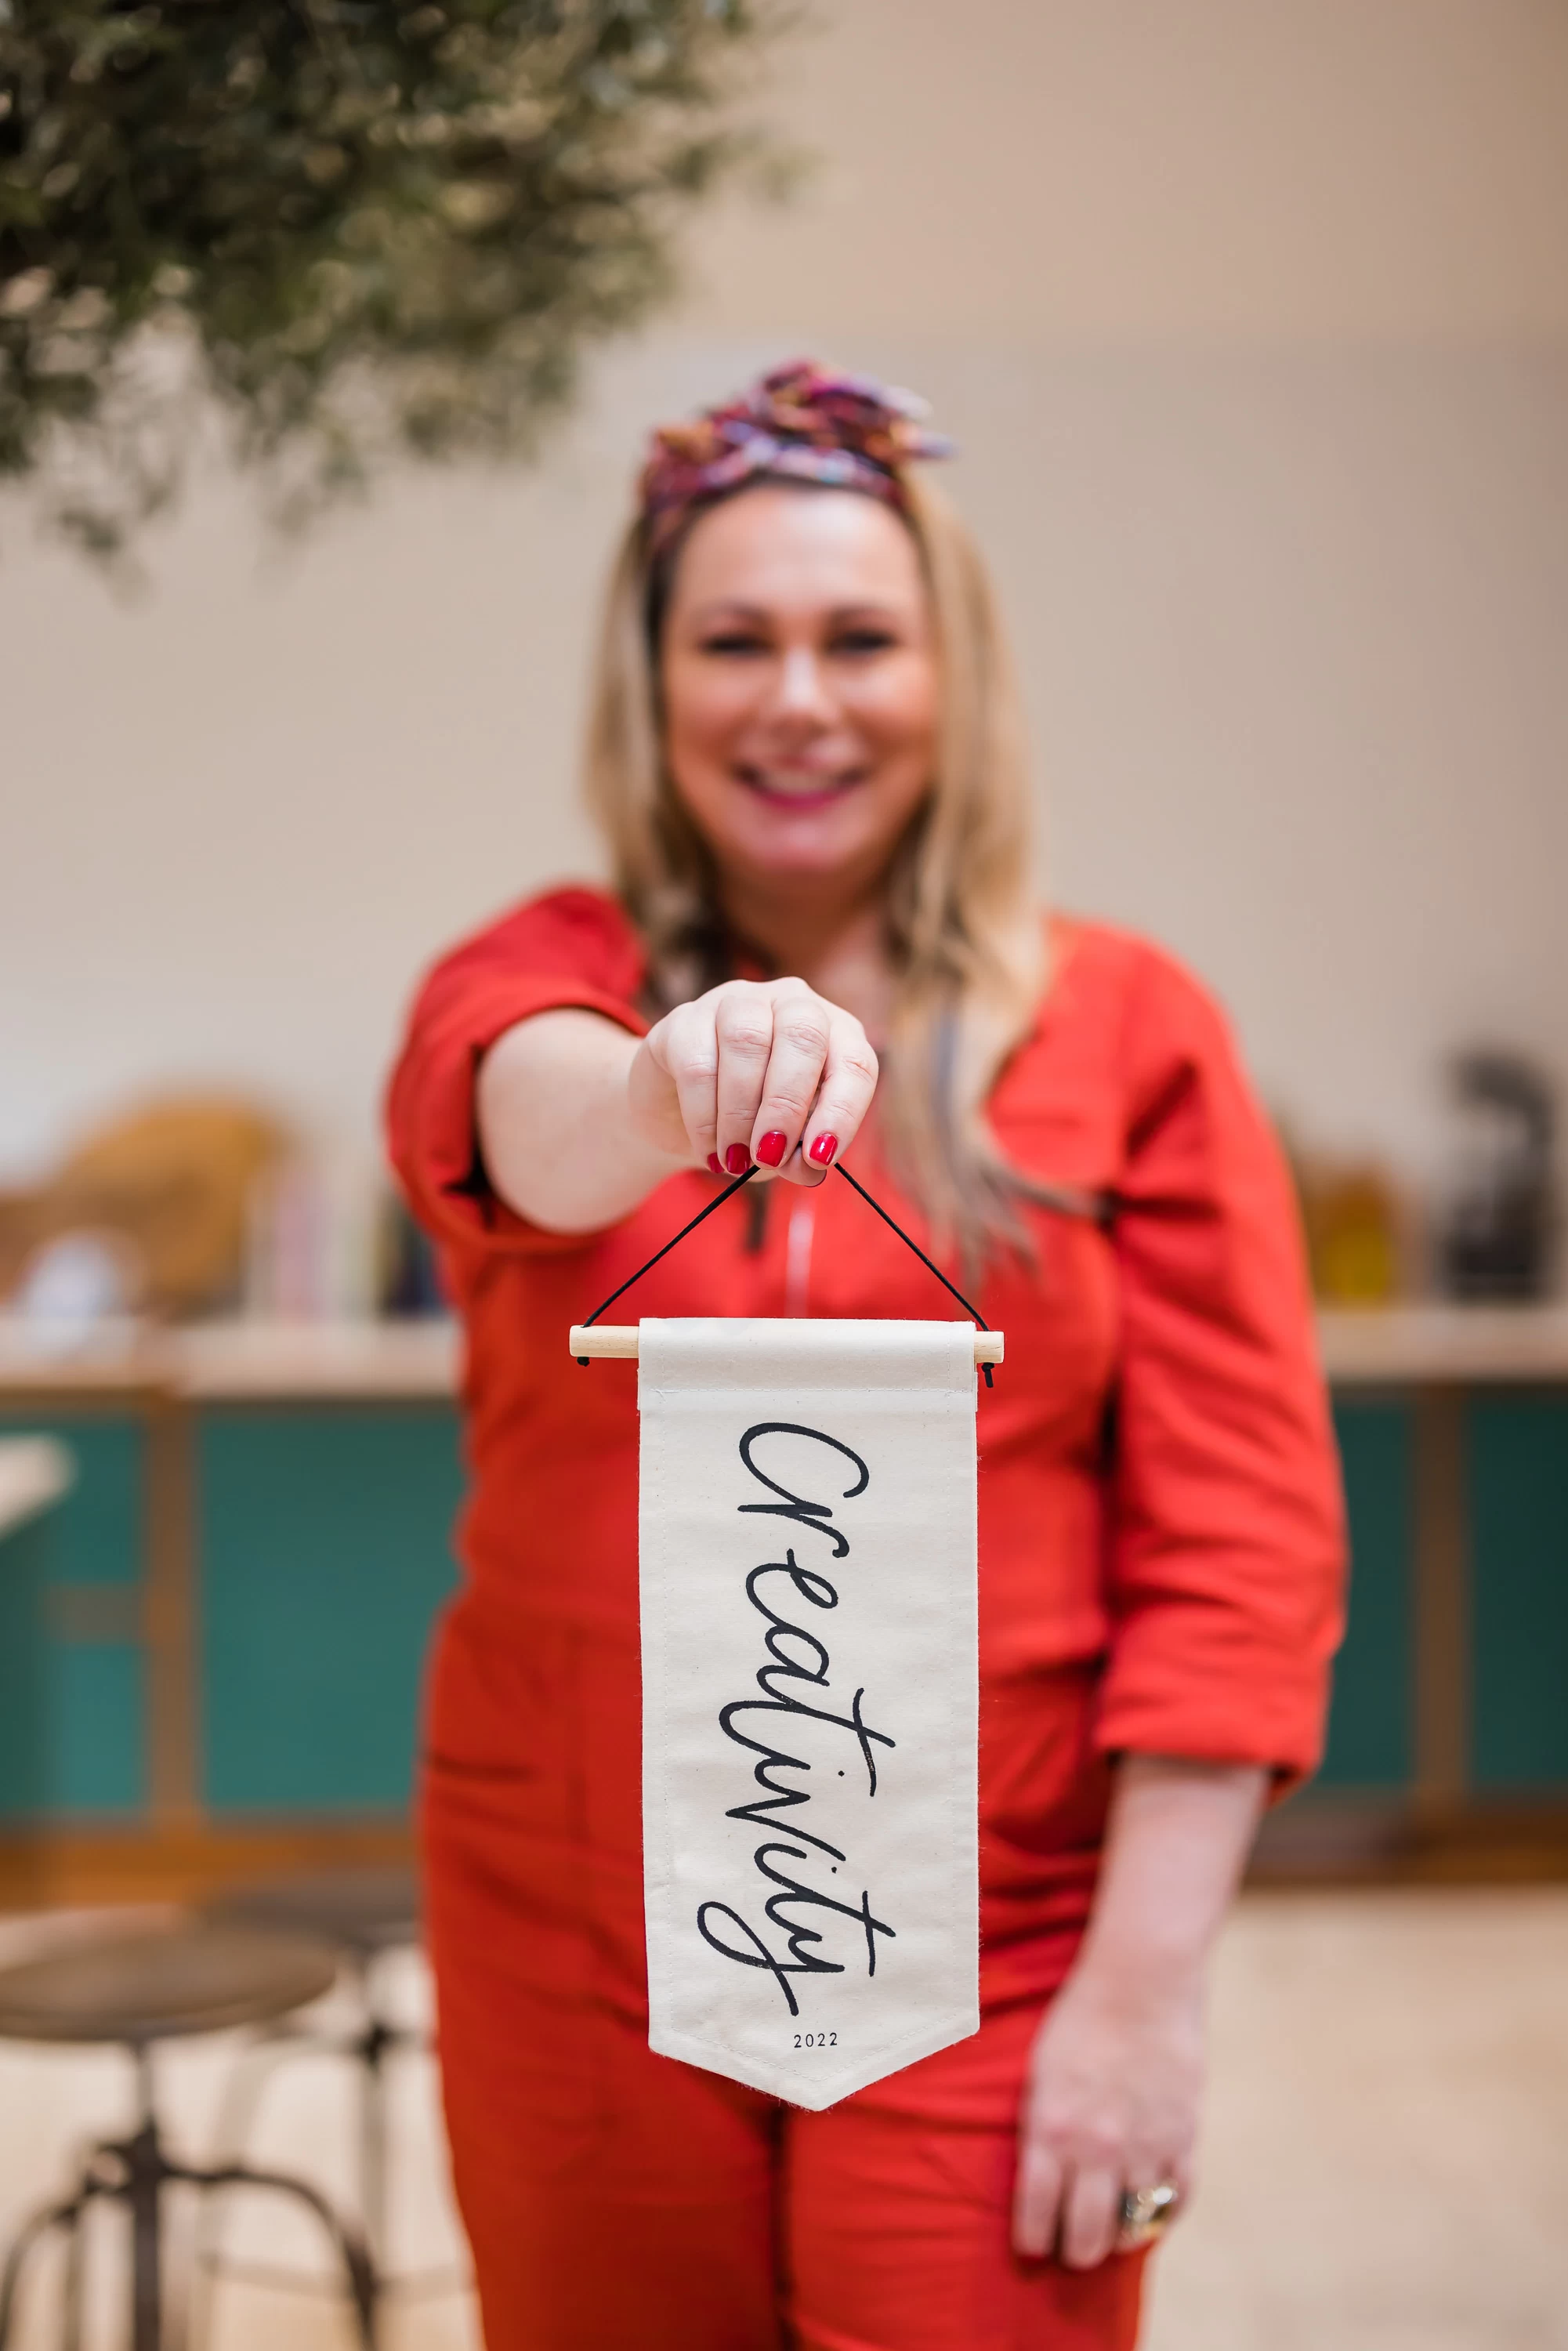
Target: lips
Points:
x,y
810,792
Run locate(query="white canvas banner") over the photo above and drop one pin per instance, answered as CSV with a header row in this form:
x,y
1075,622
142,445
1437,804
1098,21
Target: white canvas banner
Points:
x,y
809,1696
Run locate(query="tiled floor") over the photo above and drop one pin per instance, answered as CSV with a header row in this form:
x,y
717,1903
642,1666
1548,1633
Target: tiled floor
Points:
x,y
1386,2164
1386,2156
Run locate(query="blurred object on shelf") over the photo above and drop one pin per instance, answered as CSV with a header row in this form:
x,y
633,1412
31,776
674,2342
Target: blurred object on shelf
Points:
x,y
1498,1221
410,1277
76,1285
156,1200
1359,1227
1353,1239
313,1238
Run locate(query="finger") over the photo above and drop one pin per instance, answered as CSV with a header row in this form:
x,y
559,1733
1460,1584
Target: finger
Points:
x,y
843,1098
802,1027
691,1056
1090,2210
1037,2198
744,1025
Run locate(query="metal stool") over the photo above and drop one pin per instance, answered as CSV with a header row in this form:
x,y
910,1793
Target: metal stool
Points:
x,y
137,1989
365,1913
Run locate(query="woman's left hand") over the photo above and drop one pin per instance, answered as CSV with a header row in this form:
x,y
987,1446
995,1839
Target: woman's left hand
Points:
x,y
1111,2104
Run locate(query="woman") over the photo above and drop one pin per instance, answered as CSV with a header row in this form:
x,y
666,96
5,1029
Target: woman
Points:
x,y
805,752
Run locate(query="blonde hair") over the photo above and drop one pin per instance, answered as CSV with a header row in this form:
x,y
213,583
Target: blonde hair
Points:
x,y
966,941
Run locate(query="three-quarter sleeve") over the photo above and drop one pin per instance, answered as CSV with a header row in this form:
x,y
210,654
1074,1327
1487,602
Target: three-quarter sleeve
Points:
x,y
1226,1553
572,949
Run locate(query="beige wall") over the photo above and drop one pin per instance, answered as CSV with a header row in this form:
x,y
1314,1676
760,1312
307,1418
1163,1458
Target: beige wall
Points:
x,y
1132,171
1253,322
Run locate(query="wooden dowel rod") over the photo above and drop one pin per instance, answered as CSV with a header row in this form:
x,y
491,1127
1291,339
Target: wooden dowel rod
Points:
x,y
604,1339
600,1341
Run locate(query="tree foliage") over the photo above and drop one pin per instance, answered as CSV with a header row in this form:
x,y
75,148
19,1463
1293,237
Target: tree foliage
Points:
x,y
365,225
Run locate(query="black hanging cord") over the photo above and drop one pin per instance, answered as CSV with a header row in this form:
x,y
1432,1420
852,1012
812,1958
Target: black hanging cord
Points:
x,y
728,1193
920,1253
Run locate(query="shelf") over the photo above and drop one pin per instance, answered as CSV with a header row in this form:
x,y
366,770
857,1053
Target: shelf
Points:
x,y
240,1362
1401,1346
256,1362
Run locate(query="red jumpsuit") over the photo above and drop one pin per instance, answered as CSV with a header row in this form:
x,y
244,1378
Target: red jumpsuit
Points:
x,y
1160,1570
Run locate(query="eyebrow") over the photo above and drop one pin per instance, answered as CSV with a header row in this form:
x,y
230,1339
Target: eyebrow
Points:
x,y
737,608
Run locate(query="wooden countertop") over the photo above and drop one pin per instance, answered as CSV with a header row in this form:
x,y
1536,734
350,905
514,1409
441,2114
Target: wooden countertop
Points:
x,y
1463,1345
236,1361
233,1361
34,1472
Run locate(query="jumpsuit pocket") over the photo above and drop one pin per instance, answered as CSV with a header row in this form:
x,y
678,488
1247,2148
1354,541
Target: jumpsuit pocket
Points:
x,y
1044,1790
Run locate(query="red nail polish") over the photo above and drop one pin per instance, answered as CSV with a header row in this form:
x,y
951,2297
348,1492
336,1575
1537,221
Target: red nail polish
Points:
x,y
737,1159
823,1150
771,1148
716,1163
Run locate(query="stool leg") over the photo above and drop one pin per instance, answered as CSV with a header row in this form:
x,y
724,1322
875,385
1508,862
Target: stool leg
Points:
x,y
146,2174
71,2318
57,2216
374,2138
248,2079
357,2271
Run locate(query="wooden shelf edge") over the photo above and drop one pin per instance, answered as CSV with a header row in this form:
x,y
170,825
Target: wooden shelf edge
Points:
x,y
1323,1840
83,1866
1345,1841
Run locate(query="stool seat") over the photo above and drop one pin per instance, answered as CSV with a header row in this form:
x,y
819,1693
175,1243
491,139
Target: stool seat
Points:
x,y
157,1984
361,1910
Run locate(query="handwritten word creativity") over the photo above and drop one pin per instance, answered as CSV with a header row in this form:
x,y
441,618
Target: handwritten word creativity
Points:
x,y
795,1675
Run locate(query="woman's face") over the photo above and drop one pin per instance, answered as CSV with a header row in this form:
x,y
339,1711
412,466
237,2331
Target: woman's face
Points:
x,y
800,693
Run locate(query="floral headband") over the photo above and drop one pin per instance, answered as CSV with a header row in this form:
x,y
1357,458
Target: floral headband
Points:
x,y
799,422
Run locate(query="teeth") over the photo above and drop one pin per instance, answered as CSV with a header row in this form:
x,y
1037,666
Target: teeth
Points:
x,y
793,787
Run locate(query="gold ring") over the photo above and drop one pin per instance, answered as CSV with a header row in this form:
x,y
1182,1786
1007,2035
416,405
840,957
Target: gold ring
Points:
x,y
1147,2213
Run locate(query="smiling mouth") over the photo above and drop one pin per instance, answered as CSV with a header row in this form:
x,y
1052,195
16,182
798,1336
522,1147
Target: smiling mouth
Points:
x,y
807,792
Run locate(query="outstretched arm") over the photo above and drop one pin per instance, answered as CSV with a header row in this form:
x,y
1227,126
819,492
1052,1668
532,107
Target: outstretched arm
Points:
x,y
1116,2074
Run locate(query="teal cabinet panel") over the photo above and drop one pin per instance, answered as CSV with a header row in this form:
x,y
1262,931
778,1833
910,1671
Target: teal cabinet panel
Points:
x,y
325,1542
85,1700
99,1524
70,1712
25,1564
97,1732
1518,1472
1369,1742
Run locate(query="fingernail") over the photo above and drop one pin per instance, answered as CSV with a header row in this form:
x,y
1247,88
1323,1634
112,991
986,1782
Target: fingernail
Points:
x,y
771,1148
716,1163
737,1159
823,1150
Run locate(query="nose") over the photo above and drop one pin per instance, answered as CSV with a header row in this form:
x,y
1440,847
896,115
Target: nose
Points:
x,y
802,691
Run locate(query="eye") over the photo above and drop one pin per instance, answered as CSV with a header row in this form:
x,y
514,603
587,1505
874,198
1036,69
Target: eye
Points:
x,y
734,643
867,639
